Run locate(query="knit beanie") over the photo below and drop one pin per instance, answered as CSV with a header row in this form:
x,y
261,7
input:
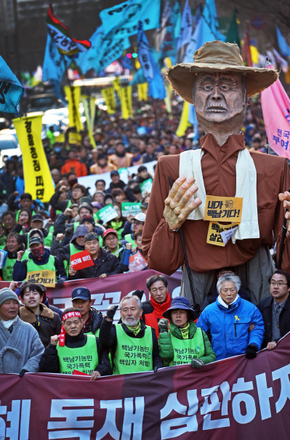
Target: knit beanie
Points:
x,y
7,294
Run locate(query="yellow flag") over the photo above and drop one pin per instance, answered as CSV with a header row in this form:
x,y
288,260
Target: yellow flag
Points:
x,y
110,99
73,94
254,54
74,138
167,100
183,123
37,177
117,86
142,92
90,111
126,102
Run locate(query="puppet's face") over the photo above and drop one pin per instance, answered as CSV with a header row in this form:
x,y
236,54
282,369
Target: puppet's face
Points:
x,y
219,98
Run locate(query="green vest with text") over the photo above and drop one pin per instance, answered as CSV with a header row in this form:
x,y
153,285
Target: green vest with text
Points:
x,y
31,266
84,359
187,349
133,355
7,270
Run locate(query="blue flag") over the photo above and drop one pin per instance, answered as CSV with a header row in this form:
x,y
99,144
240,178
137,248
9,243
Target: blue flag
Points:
x,y
105,49
122,20
149,66
138,78
54,63
283,46
11,89
186,27
205,30
177,26
169,43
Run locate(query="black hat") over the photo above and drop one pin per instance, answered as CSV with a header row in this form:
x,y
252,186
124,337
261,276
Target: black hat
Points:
x,y
114,173
37,217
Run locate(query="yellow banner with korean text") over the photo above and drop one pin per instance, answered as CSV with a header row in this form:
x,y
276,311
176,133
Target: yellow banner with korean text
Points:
x,y
73,94
110,99
126,102
224,209
37,177
142,91
183,123
90,112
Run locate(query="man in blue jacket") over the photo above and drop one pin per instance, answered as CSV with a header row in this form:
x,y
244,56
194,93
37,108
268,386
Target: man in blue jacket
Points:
x,y
236,325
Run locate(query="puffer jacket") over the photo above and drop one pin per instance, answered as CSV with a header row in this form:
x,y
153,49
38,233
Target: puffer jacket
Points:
x,y
229,326
166,349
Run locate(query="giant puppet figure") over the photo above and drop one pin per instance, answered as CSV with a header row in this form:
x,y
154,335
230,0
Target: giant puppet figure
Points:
x,y
218,84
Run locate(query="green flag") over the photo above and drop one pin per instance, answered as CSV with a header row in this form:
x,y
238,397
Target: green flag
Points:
x,y
233,32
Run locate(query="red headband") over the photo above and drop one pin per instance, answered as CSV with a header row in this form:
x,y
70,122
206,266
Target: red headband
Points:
x,y
73,314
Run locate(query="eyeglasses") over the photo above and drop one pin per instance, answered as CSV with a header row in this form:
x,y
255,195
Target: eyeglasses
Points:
x,y
279,284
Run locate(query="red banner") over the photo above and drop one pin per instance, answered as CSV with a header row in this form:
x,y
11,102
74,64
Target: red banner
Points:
x,y
235,399
81,260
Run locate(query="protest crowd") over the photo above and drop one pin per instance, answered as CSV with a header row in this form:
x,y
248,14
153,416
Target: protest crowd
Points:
x,y
150,190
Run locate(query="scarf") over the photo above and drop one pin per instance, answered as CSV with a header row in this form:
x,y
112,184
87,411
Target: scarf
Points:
x,y
246,187
185,331
136,329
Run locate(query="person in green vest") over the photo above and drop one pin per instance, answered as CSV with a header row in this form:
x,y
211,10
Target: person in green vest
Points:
x,y
77,244
39,259
129,337
73,351
183,342
13,245
137,224
36,223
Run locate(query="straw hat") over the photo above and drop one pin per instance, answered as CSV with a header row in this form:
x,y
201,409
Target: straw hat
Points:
x,y
216,56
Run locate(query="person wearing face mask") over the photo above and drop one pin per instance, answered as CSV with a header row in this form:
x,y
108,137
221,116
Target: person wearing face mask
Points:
x,y
39,259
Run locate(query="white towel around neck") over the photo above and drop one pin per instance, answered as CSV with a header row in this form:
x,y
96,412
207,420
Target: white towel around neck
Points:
x,y
246,187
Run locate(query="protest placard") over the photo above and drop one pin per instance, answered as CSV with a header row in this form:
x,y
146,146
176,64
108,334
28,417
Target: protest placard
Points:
x,y
225,209
130,209
81,260
107,213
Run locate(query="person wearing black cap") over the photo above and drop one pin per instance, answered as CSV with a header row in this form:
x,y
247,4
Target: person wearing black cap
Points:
x,y
92,318
35,312
39,259
183,342
116,182
20,345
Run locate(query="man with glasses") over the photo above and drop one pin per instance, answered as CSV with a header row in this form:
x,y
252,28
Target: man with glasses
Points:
x,y
159,301
276,309
137,224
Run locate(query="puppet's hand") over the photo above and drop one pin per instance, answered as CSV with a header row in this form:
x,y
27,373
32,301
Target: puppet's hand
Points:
x,y
285,198
177,204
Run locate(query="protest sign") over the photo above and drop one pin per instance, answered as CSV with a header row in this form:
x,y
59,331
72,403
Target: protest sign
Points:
x,y
43,276
73,94
225,209
146,187
123,173
74,138
37,177
137,262
216,233
126,102
110,100
130,209
81,260
107,213
234,398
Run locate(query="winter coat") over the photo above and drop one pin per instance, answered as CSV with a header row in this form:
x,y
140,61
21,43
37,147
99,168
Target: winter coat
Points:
x,y
63,252
166,348
284,318
93,322
47,323
228,327
20,267
108,340
19,349
105,263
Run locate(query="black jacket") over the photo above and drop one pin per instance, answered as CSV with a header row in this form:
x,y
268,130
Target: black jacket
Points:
x,y
94,321
49,362
105,263
265,307
58,249
108,340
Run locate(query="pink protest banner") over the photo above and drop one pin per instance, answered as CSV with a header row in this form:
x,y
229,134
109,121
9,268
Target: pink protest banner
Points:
x,y
232,399
276,112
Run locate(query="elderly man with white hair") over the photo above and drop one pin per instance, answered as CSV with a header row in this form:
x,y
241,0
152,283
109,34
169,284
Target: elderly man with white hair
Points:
x,y
236,326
